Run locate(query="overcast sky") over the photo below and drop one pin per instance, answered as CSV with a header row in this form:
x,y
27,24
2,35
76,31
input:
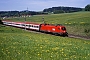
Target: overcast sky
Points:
x,y
39,5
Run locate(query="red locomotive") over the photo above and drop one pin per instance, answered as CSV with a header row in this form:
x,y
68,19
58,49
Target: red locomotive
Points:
x,y
49,28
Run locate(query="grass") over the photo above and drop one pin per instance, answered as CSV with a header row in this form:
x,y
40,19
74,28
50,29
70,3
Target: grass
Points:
x,y
58,18
17,44
77,23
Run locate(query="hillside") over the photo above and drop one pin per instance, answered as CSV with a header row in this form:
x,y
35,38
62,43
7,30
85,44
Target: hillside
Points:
x,y
17,44
76,23
62,9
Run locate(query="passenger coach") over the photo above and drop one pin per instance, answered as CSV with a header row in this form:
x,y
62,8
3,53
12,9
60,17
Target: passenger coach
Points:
x,y
55,29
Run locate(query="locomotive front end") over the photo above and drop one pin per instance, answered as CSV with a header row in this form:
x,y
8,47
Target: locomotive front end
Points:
x,y
63,31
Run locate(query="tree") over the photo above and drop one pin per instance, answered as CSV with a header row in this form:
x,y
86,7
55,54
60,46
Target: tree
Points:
x,y
1,22
58,11
87,8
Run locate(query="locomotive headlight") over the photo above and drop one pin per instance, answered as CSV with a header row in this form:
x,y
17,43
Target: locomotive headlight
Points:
x,y
60,27
64,31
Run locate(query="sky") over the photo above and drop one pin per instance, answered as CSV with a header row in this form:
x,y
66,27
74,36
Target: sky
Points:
x,y
39,5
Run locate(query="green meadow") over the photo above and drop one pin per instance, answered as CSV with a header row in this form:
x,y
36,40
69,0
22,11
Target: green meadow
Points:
x,y
77,23
18,44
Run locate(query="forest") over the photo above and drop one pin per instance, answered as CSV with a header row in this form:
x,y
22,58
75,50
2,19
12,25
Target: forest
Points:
x,y
19,13
62,9
52,10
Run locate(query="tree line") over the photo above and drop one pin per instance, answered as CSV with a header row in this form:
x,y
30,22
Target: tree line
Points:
x,y
55,10
19,13
62,9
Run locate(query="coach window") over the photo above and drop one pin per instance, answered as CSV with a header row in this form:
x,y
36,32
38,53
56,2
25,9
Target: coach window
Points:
x,y
23,25
29,25
17,24
36,26
26,25
10,23
5,22
32,25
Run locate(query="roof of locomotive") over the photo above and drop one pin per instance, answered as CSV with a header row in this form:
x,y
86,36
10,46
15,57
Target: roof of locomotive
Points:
x,y
52,24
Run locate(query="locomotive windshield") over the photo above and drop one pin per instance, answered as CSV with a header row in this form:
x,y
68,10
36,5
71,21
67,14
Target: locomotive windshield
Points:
x,y
63,28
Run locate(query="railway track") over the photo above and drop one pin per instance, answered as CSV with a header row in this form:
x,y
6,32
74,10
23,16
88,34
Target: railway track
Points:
x,y
78,36
69,35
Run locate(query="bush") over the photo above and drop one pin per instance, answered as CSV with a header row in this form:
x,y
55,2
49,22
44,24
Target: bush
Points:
x,y
87,30
1,22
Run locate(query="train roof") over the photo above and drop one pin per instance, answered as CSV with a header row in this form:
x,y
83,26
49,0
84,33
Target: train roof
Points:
x,y
22,22
53,24
31,23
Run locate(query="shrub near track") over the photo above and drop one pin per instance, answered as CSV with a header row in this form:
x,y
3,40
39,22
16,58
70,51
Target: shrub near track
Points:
x,y
17,44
